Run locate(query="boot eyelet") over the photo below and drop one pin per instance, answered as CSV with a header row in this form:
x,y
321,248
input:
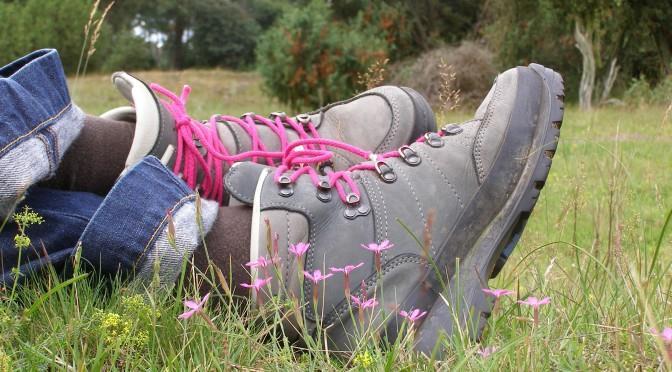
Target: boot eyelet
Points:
x,y
354,208
385,172
409,155
286,190
243,116
451,129
324,191
325,166
433,139
304,119
278,114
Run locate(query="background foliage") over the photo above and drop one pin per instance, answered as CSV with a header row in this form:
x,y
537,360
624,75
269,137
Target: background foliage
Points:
x,y
311,51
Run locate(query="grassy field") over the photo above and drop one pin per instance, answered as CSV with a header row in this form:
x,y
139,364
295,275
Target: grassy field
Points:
x,y
595,244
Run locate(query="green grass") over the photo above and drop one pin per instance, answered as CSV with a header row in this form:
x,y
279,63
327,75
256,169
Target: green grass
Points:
x,y
590,245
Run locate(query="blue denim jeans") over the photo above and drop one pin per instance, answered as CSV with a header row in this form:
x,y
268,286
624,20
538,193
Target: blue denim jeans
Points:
x,y
147,224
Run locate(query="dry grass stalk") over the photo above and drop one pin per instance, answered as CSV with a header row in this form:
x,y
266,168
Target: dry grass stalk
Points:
x,y
449,95
87,28
374,75
667,113
96,31
90,38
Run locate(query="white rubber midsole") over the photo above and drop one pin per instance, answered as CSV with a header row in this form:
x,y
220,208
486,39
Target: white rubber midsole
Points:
x,y
256,226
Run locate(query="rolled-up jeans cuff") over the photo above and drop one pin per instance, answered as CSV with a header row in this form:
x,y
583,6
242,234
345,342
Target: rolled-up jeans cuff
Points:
x,y
148,224
38,122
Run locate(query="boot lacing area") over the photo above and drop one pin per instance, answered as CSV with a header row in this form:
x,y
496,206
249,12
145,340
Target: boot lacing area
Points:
x,y
297,162
208,157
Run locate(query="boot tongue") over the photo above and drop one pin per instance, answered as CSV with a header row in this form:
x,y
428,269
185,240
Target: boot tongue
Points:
x,y
154,126
242,179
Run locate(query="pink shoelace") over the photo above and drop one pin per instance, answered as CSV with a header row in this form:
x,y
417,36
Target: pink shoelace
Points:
x,y
302,162
190,159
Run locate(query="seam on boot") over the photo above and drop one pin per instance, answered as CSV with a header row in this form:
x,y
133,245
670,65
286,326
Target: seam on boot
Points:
x,y
427,157
417,202
478,157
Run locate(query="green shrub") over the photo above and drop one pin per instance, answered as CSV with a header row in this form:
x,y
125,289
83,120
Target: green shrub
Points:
x,y
307,59
34,24
380,18
641,92
473,66
136,53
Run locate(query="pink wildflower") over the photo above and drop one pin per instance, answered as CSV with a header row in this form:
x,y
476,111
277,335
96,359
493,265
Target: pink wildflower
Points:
x,y
497,293
196,307
378,249
276,246
413,315
299,249
487,351
346,270
363,303
536,303
263,262
665,335
258,284
316,276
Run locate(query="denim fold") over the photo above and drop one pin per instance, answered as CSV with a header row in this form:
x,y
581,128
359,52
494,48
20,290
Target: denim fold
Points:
x,y
148,224
38,122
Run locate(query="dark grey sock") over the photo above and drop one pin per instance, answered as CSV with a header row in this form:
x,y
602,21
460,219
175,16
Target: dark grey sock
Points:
x,y
96,158
228,247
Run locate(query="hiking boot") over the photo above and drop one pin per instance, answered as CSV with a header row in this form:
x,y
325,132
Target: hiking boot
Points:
x,y
400,223
379,120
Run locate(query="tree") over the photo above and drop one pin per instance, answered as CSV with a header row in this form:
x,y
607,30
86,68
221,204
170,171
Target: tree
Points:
x,y
168,18
598,45
598,37
224,34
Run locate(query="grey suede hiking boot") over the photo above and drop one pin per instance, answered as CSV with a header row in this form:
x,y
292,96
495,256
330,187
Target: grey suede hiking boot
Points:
x,y
379,120
466,192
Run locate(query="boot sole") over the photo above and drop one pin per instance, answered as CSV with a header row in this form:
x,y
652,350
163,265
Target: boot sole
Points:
x,y
423,114
463,301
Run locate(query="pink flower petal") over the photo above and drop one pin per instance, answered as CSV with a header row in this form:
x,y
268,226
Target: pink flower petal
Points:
x,y
497,292
666,335
486,352
191,304
187,314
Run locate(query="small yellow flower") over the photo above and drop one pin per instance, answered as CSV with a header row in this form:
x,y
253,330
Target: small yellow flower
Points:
x,y
5,362
363,359
21,241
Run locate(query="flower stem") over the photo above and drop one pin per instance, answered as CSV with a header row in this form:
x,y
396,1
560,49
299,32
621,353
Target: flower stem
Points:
x,y
315,293
536,317
208,320
495,307
346,286
360,312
